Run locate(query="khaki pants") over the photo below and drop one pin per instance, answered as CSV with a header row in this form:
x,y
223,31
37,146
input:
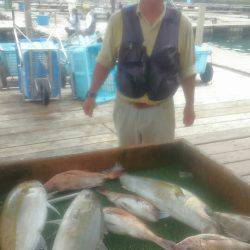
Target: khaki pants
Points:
x,y
152,125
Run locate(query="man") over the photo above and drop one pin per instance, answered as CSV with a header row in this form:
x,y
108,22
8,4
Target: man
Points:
x,y
74,21
90,21
154,46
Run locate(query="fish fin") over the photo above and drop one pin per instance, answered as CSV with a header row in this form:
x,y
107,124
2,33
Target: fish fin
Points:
x,y
163,214
41,245
114,172
164,244
178,191
105,230
52,194
211,229
233,236
209,211
102,246
102,190
53,209
55,222
184,174
63,198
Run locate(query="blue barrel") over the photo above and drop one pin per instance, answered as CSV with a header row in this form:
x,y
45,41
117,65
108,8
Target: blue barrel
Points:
x,y
21,6
42,20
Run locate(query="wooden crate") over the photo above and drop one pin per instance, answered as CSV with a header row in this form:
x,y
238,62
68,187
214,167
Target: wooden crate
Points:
x,y
209,173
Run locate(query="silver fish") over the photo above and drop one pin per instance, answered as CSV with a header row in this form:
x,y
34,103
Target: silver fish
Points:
x,y
211,242
135,205
77,179
82,224
233,225
178,202
23,217
119,221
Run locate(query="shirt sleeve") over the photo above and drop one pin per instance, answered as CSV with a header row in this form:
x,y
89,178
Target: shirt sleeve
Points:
x,y
109,52
186,48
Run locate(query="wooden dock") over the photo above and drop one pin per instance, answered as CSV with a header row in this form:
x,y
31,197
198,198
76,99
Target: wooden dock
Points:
x,y
222,128
223,58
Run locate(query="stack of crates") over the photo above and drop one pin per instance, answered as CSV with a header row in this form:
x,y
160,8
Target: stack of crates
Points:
x,y
8,57
40,63
82,61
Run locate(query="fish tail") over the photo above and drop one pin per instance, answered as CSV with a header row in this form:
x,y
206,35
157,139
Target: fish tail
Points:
x,y
49,185
164,244
114,172
163,215
102,190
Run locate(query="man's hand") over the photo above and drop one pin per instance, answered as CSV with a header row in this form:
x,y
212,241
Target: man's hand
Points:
x,y
188,115
88,106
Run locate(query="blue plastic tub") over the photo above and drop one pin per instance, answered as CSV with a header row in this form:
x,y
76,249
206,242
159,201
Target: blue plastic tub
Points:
x,y
21,6
201,58
40,70
42,20
9,57
36,56
82,63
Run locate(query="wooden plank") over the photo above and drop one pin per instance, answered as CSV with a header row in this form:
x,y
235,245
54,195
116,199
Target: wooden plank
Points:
x,y
62,152
218,136
59,109
220,122
226,146
68,118
232,157
201,129
14,96
72,105
29,138
57,145
241,168
43,112
65,122
108,111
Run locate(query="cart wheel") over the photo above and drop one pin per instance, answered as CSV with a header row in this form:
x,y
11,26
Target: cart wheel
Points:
x,y
3,75
45,95
63,76
207,76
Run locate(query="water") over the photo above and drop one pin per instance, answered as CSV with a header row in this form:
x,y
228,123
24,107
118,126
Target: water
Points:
x,y
237,43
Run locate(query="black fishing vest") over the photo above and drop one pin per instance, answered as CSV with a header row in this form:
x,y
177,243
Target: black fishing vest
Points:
x,y
156,75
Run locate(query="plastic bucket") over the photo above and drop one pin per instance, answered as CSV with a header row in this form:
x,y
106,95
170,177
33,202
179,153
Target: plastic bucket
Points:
x,y
42,20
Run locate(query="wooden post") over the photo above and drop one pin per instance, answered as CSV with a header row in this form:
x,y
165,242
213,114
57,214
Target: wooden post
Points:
x,y
200,25
28,19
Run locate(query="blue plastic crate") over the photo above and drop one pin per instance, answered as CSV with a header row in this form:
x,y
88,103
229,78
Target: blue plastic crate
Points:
x,y
201,58
9,57
42,20
21,6
82,63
